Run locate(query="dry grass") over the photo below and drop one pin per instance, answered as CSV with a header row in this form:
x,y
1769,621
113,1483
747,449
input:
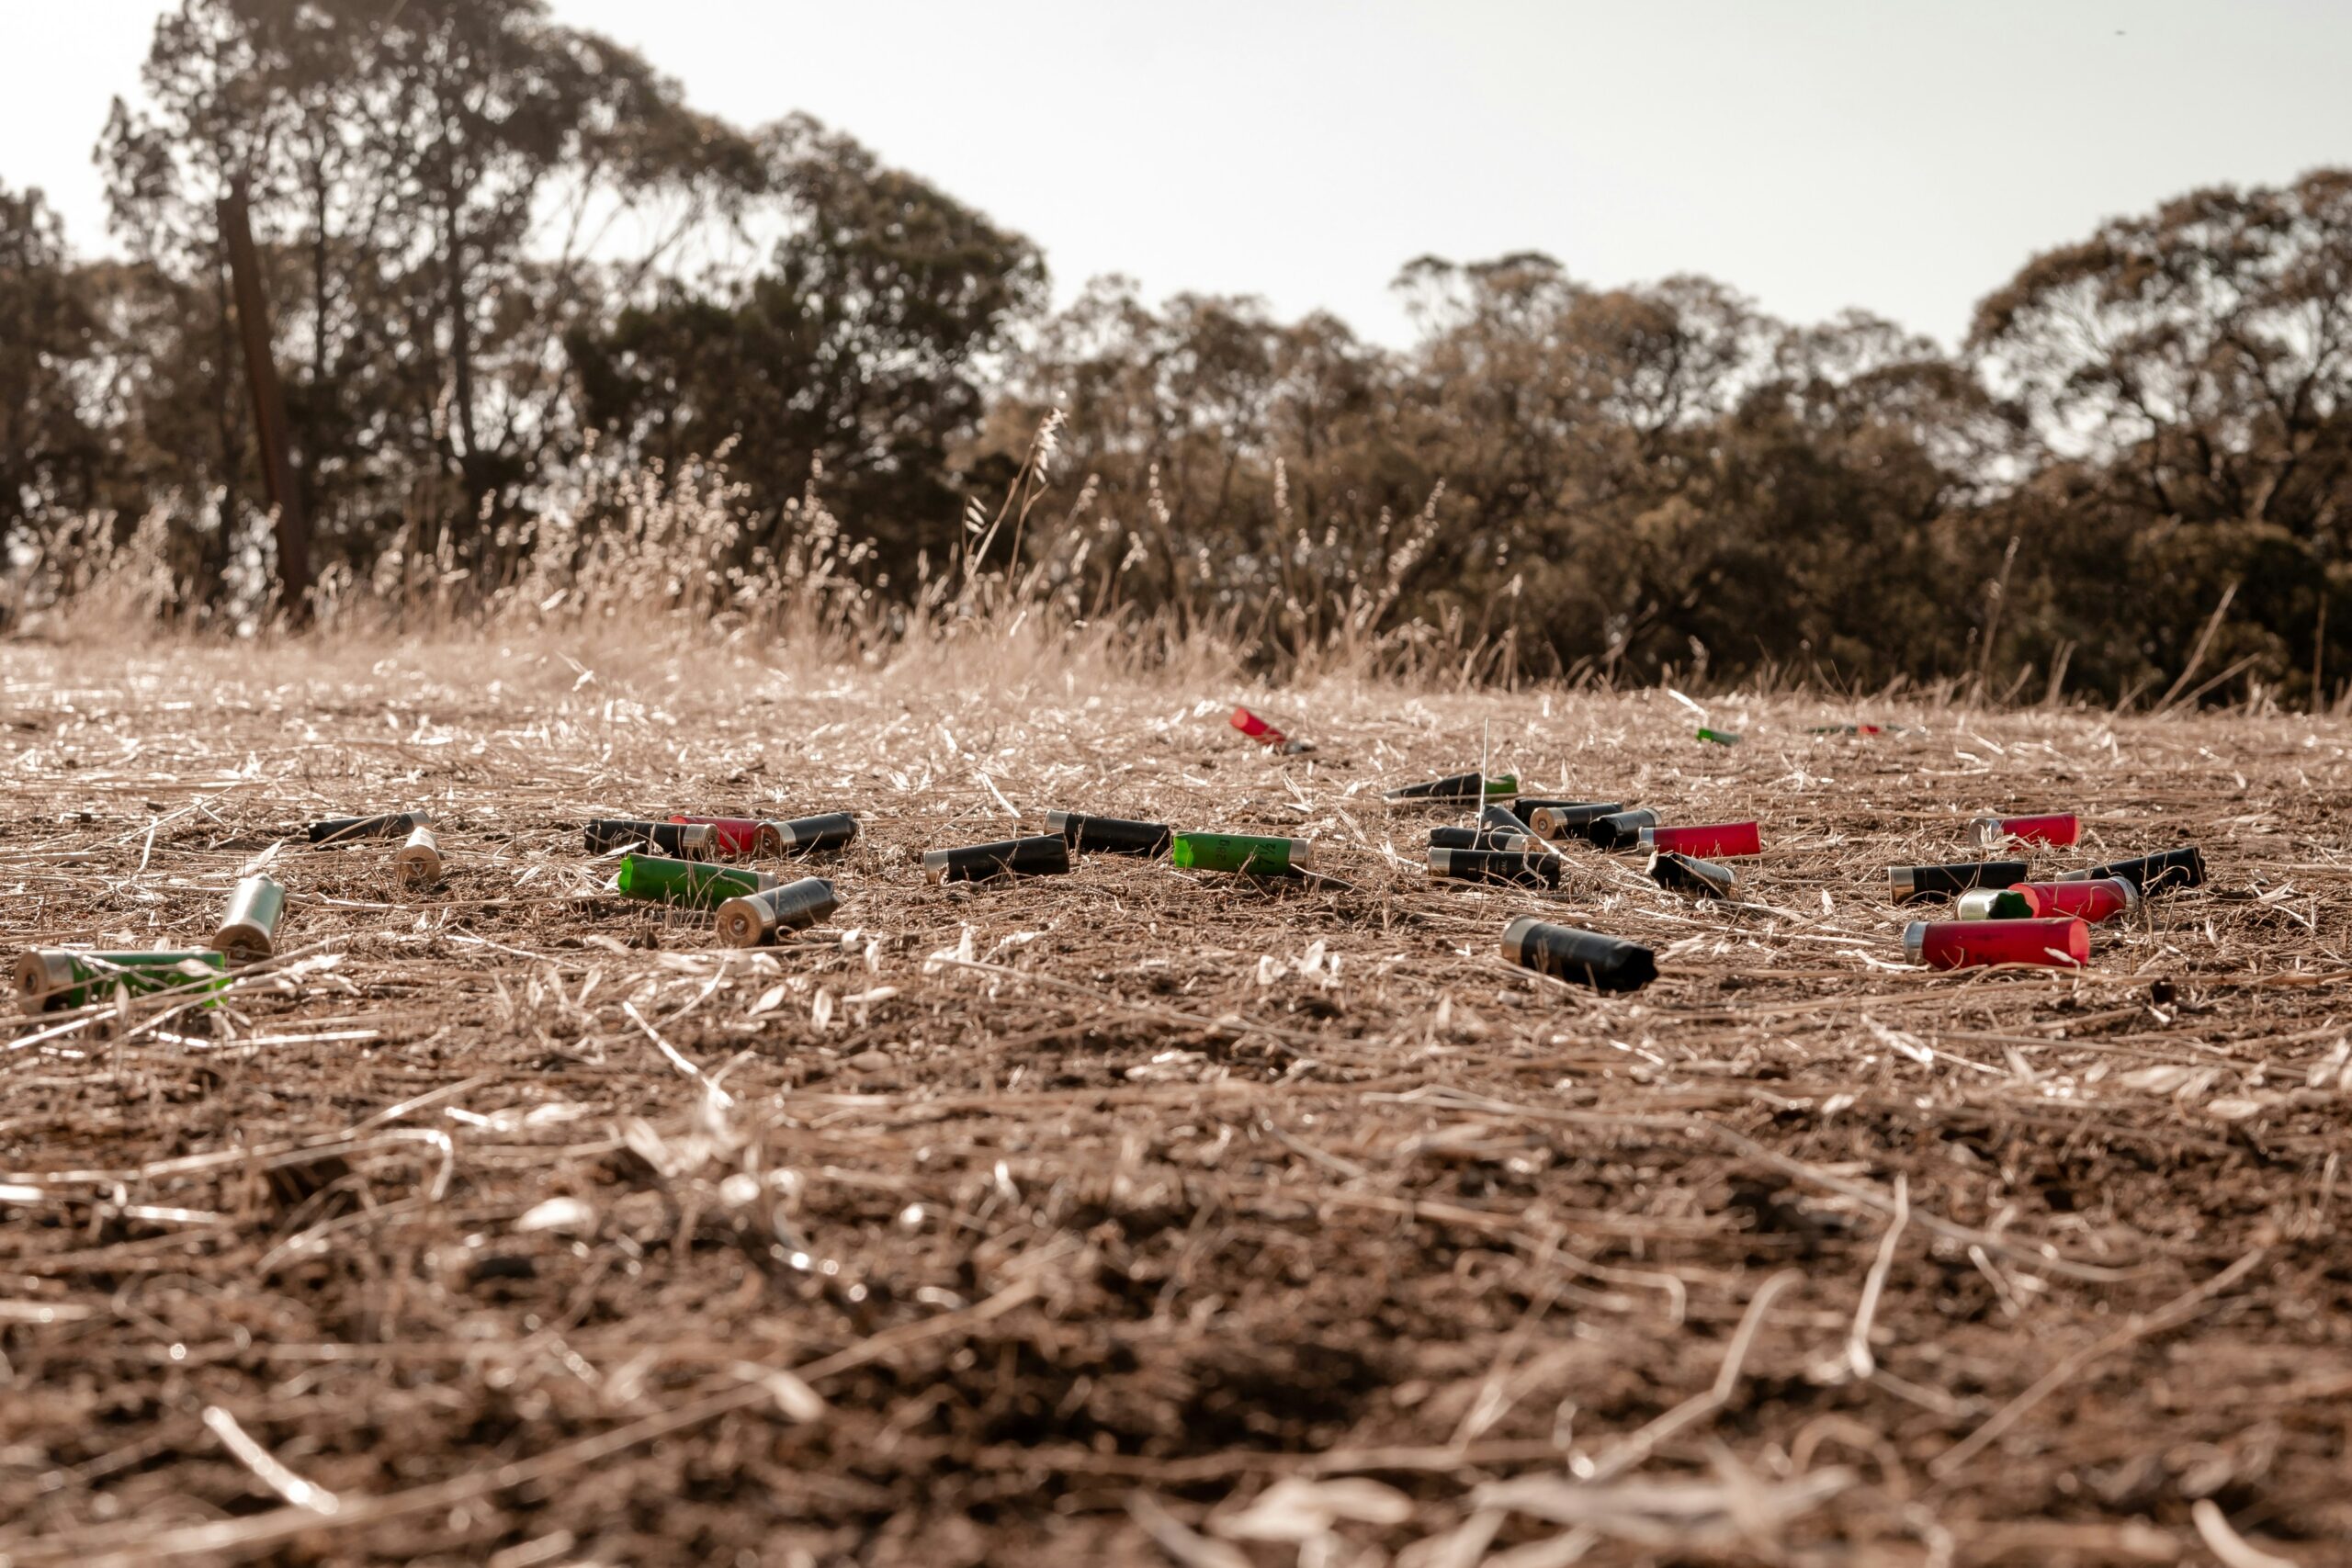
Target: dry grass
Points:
x,y
1043,1223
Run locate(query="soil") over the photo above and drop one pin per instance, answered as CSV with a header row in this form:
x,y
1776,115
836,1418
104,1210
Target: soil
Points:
x,y
1137,1215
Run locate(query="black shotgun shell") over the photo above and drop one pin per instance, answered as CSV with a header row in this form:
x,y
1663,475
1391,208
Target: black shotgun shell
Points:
x,y
1502,820
344,829
1556,818
1046,855
813,835
1904,883
1620,831
756,919
1604,963
1109,835
1482,838
1473,787
2160,872
1495,865
685,840
1688,874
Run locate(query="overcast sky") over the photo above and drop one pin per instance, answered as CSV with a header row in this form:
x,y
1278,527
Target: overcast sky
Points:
x,y
1894,154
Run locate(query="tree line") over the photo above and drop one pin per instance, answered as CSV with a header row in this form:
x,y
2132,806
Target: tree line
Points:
x,y
499,256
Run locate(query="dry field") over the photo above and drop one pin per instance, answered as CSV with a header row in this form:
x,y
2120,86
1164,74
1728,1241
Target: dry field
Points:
x,y
1136,1216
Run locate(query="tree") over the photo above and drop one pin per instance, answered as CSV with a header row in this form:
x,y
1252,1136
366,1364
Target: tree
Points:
x,y
2189,371
403,163
858,349
50,452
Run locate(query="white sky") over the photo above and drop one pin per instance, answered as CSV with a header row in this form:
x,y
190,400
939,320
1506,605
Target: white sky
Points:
x,y
1901,155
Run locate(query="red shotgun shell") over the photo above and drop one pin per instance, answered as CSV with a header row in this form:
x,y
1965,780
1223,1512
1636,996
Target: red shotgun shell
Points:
x,y
2097,902
2064,943
2059,829
1271,736
735,835
1722,839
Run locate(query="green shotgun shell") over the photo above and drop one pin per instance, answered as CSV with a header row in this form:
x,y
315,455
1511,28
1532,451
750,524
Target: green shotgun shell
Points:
x,y
248,927
53,978
698,883
1719,737
1246,853
756,919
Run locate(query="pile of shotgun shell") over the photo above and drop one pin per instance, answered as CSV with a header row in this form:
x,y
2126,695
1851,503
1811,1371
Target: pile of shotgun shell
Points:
x,y
1519,840
2006,915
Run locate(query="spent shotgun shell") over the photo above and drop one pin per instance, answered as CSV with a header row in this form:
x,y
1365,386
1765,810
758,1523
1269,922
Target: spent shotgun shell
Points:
x,y
1040,854
813,835
1720,839
754,919
1687,874
1246,854
1515,867
419,862
1109,835
2019,903
696,884
248,927
1482,838
1559,818
51,978
684,840
336,831
736,836
1501,818
2056,831
2160,872
1270,736
1904,883
2096,902
1604,963
1719,737
2064,943
1475,788
1620,832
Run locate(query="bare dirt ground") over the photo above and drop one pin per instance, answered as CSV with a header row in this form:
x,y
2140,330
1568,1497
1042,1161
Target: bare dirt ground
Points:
x,y
1183,1220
